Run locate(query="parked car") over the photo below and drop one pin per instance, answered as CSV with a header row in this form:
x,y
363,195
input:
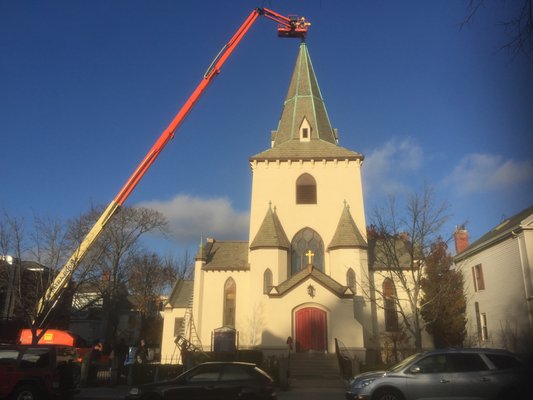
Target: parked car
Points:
x,y
42,371
213,380
446,374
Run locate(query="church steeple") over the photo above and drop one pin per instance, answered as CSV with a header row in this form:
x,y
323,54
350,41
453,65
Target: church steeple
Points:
x,y
304,130
304,107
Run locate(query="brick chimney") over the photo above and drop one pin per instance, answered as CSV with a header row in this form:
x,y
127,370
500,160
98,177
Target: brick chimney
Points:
x,y
461,239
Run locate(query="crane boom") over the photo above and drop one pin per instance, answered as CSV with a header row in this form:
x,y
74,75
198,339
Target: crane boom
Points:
x,y
287,27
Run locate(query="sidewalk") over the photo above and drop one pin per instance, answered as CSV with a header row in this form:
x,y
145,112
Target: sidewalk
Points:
x,y
317,388
103,393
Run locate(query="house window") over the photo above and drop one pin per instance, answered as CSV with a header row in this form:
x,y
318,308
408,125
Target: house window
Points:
x,y
178,326
350,280
389,306
267,281
305,133
230,290
305,243
305,189
484,329
477,273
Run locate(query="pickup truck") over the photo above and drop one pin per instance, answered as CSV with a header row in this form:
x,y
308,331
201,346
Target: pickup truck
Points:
x,y
29,372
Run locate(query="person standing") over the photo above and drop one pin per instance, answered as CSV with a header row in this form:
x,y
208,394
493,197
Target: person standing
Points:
x,y
121,352
141,354
140,359
95,356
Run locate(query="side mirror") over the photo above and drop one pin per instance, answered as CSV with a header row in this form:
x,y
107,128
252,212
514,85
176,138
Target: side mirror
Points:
x,y
415,370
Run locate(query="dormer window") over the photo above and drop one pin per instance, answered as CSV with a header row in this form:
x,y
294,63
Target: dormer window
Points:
x,y
305,131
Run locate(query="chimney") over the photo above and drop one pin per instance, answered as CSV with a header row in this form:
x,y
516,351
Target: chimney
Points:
x,y
461,239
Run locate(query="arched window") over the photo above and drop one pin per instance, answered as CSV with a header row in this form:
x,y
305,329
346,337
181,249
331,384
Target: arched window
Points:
x,y
389,305
230,292
267,281
350,280
305,189
305,241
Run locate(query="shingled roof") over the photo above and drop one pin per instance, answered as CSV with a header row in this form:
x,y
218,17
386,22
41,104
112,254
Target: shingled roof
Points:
x,y
225,256
316,275
304,101
271,233
347,235
502,231
181,294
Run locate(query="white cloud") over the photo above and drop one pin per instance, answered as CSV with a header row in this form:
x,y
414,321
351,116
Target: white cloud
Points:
x,y
190,218
481,173
388,167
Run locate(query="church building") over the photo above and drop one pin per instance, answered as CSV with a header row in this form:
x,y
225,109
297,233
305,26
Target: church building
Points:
x,y
297,276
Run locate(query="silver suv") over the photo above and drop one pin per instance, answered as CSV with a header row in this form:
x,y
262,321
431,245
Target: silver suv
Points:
x,y
446,374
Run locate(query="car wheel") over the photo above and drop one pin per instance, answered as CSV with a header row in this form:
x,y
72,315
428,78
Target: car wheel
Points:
x,y
25,393
387,394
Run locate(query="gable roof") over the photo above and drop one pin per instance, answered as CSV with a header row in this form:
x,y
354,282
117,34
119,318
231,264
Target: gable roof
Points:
x,y
271,233
347,235
181,294
226,256
389,253
502,231
318,276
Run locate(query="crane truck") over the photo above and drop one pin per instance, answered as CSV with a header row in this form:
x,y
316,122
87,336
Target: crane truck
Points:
x,y
288,27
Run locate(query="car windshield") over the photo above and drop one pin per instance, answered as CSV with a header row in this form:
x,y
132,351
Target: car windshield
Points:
x,y
402,364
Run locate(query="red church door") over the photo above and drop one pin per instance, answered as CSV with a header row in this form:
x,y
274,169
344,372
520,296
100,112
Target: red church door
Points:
x,y
311,330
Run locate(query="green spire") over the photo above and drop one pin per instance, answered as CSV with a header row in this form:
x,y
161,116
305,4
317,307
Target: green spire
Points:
x,y
304,100
347,234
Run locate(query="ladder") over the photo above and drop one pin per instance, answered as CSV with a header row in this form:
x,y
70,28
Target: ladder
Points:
x,y
187,339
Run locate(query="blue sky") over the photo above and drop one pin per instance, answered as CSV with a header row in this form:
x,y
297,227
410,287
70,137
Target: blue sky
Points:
x,y
86,87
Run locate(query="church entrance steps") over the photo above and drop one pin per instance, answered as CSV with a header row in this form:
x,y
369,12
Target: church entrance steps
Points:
x,y
314,370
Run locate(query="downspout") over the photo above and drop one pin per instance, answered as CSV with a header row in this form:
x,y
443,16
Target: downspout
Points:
x,y
526,278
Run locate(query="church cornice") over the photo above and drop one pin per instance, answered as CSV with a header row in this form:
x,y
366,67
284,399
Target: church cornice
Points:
x,y
317,276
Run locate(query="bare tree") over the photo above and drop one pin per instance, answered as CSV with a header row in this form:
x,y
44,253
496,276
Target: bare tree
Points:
x,y
33,262
518,28
107,264
399,244
149,278
104,267
182,267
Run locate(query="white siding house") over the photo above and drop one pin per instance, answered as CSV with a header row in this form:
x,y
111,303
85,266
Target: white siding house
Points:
x,y
498,273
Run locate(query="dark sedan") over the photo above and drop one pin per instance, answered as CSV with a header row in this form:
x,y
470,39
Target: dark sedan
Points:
x,y
214,380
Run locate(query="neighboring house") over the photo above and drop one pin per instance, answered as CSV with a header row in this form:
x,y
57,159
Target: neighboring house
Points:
x,y
297,275
498,273
21,285
87,316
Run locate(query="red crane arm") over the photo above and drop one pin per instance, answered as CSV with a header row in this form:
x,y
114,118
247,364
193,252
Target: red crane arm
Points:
x,y
289,28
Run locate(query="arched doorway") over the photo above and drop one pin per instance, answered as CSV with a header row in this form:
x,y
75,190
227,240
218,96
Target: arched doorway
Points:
x,y
310,329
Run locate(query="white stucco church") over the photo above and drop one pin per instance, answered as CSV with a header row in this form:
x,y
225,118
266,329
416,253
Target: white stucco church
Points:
x,y
297,275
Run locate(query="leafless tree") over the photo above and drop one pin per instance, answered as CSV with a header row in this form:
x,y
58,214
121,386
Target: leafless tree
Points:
x,y
33,262
518,28
51,243
399,243
105,268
